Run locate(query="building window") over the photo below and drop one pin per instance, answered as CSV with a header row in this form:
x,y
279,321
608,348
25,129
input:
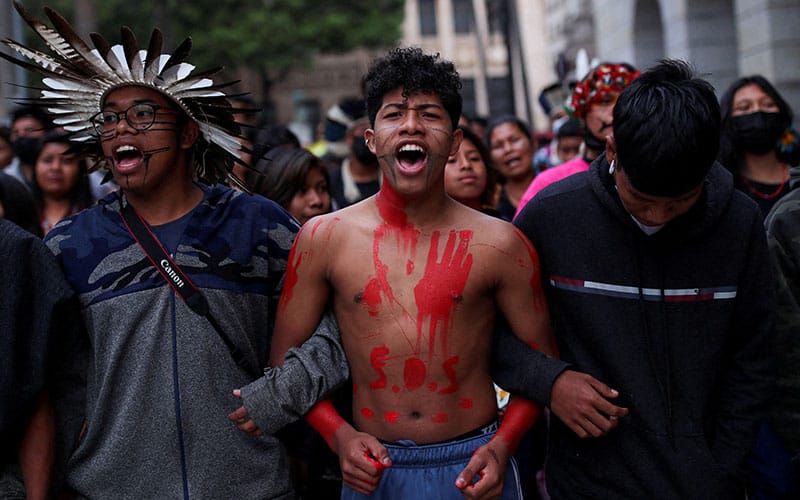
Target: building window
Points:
x,y
468,95
463,16
497,14
427,17
501,96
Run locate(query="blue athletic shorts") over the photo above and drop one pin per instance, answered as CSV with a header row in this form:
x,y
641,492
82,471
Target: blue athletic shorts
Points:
x,y
430,471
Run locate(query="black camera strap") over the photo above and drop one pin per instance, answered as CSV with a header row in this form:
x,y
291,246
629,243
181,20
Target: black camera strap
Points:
x,y
178,280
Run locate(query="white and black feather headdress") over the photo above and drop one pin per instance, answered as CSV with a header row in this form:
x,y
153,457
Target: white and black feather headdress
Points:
x,y
77,79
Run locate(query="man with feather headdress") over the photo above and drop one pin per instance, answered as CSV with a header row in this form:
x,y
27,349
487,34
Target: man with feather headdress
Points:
x,y
160,368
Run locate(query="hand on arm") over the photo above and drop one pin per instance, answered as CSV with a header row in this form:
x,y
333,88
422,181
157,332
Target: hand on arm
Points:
x,y
362,458
490,460
582,403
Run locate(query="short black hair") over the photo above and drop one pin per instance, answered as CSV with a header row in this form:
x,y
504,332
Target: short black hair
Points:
x,y
571,128
414,71
514,120
666,129
281,173
34,112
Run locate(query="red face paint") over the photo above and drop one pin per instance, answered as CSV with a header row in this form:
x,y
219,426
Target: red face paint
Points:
x,y
378,360
440,288
414,373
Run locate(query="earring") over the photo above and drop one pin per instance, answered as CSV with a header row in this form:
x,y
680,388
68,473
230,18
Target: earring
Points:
x,y
366,142
611,168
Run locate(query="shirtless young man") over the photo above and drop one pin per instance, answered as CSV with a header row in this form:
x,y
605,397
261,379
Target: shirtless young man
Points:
x,y
416,279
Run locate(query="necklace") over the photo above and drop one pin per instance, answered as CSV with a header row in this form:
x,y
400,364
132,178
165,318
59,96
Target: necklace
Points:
x,y
768,196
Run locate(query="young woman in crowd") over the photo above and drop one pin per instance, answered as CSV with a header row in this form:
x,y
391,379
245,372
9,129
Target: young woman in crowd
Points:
x,y
295,179
511,145
469,177
61,187
758,143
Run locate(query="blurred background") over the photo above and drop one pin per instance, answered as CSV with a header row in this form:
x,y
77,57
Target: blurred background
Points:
x,y
297,58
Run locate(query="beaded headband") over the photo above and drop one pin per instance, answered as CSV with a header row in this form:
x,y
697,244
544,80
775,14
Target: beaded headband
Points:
x,y
600,81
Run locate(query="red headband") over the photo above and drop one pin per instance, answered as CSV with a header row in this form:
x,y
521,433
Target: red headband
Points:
x,y
602,80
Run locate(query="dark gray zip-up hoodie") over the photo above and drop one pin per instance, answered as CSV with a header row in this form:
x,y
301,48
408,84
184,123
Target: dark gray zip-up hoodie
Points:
x,y
677,322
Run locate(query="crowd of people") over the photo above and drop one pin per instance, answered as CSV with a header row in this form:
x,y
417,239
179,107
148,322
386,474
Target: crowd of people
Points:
x,y
197,308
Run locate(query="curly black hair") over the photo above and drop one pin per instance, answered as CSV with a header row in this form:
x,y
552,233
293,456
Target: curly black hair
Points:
x,y
414,71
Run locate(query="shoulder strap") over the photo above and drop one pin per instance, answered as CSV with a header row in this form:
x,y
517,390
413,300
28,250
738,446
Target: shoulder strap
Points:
x,y
178,280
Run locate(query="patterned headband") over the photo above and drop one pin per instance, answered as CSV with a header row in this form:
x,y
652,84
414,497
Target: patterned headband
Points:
x,y
600,81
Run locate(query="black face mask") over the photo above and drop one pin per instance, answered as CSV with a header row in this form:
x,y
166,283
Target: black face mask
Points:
x,y
593,143
26,149
362,152
758,132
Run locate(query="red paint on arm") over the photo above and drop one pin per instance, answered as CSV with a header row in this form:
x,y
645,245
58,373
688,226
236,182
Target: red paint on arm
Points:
x,y
519,417
290,279
326,420
539,303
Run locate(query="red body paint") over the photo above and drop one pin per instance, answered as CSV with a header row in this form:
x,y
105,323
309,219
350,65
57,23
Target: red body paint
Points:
x,y
520,416
539,303
439,418
414,374
465,403
378,360
325,419
290,279
447,366
391,416
367,413
441,286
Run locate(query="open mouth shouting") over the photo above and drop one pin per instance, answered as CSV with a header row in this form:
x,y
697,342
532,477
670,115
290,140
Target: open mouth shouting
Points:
x,y
127,157
411,158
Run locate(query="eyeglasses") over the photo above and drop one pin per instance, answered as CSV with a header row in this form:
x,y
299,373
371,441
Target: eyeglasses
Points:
x,y
139,116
